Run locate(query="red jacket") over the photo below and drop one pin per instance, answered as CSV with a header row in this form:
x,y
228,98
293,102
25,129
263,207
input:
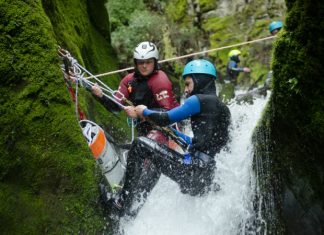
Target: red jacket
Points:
x,y
154,92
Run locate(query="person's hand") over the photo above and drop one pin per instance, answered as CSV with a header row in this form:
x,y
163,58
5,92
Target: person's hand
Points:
x,y
70,76
96,90
139,110
246,70
131,112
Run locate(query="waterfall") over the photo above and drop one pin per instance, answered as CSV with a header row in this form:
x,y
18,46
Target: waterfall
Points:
x,y
227,211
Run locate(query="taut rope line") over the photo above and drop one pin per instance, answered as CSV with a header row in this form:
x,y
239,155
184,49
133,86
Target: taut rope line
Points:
x,y
186,56
78,74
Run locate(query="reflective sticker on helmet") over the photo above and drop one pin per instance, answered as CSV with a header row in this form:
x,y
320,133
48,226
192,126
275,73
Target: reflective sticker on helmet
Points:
x,y
162,95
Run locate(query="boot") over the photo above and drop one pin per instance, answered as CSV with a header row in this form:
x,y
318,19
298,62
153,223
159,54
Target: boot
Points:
x,y
112,201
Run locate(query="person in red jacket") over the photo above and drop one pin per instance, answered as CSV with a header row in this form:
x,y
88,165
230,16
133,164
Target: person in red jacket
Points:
x,y
149,86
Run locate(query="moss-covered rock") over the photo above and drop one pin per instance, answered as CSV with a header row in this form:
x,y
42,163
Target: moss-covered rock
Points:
x,y
294,123
226,23
207,5
238,28
227,92
48,181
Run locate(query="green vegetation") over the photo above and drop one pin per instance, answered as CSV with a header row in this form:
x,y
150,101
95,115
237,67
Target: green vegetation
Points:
x,y
150,27
48,181
178,28
177,11
229,30
190,28
120,12
294,122
207,5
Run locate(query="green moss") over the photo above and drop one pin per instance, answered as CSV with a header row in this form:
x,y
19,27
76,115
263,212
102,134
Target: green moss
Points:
x,y
88,42
48,182
260,29
295,119
248,24
257,75
222,33
207,5
227,92
177,10
18,211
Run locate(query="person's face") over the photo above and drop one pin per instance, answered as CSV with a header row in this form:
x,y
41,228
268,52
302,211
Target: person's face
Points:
x,y
189,86
145,67
274,32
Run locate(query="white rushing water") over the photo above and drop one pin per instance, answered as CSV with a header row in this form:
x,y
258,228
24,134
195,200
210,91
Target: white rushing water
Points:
x,y
168,211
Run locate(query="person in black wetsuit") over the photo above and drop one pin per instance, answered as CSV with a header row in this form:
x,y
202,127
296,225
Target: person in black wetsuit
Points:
x,y
233,70
210,119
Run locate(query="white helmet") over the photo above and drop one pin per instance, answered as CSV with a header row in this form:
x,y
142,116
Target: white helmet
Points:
x,y
146,50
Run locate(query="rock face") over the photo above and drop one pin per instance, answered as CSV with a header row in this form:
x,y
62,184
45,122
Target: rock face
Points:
x,y
47,183
226,8
231,7
47,177
289,141
224,23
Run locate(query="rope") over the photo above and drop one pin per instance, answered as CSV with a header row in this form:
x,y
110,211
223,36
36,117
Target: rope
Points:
x,y
79,75
186,56
165,130
79,72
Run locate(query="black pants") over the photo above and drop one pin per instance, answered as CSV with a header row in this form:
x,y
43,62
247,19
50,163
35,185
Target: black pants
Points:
x,y
194,178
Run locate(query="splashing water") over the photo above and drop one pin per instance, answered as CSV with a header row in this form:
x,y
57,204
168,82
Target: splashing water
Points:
x,y
168,211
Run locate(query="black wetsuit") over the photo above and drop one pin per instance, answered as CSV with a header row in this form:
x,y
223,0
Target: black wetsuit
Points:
x,y
210,129
233,70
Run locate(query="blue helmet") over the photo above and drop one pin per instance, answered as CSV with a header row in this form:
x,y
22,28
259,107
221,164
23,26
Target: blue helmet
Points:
x,y
199,67
275,25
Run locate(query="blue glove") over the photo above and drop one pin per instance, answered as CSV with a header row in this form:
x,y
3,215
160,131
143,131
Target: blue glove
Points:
x,y
186,138
187,158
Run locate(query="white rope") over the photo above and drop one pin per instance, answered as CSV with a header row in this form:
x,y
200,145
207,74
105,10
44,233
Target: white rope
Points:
x,y
186,56
133,130
79,73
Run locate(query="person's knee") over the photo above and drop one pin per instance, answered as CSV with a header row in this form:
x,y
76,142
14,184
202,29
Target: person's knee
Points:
x,y
139,146
202,160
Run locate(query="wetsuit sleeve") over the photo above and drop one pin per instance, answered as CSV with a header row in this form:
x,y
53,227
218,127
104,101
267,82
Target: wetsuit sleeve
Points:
x,y
109,104
190,107
185,137
233,66
122,91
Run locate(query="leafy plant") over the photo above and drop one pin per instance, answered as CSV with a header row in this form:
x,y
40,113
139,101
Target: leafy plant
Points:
x,y
143,26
